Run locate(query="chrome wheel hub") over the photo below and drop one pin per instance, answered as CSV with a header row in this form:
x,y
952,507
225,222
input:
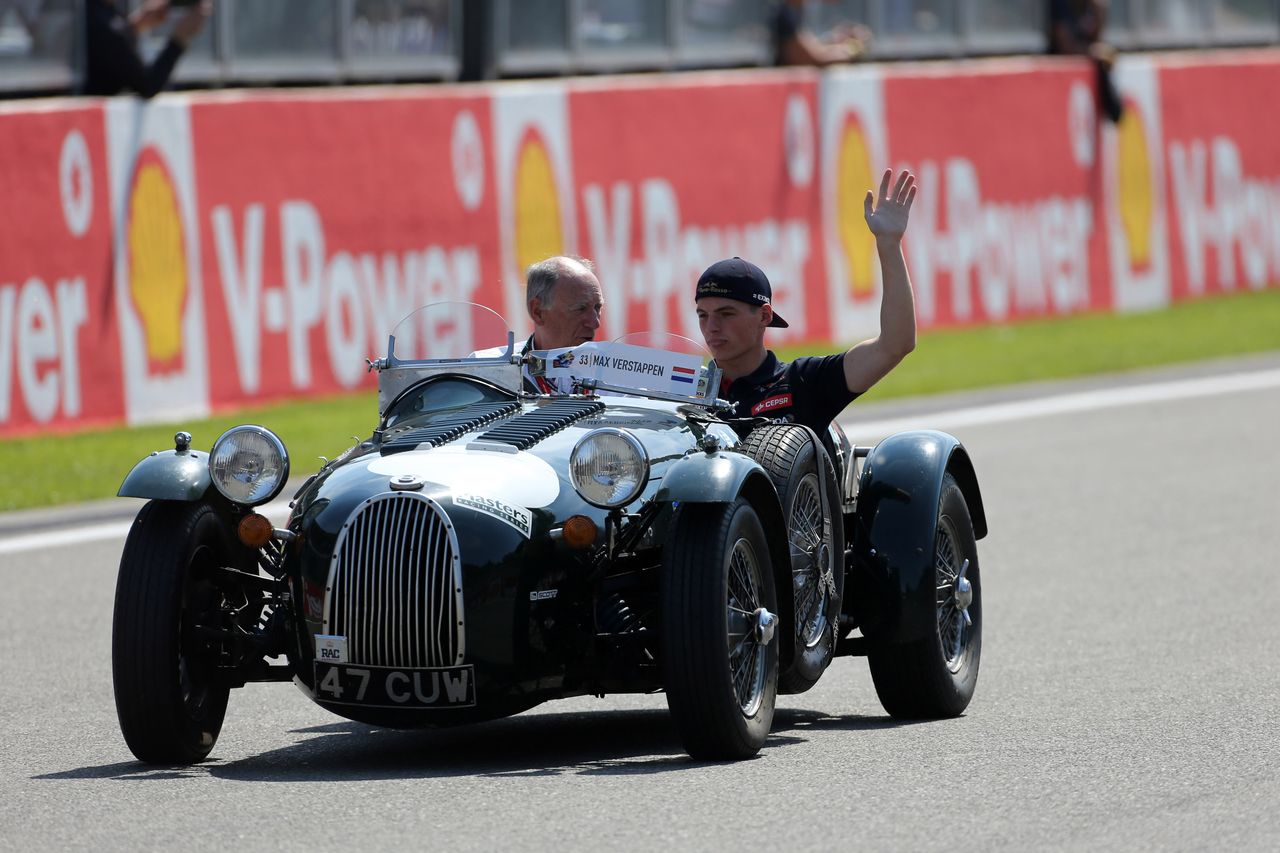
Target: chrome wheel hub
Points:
x,y
765,624
964,591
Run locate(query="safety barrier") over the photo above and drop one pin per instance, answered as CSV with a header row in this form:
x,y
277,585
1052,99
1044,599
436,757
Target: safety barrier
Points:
x,y
200,252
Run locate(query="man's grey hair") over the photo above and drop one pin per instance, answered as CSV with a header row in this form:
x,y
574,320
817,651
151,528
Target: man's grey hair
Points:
x,y
541,278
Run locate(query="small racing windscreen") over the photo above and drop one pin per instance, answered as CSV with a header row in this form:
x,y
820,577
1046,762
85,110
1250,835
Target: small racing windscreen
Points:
x,y
449,330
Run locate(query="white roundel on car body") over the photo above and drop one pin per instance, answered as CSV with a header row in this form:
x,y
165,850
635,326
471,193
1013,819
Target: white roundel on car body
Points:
x,y
518,478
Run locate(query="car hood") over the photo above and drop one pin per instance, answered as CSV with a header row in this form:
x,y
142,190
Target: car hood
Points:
x,y
534,478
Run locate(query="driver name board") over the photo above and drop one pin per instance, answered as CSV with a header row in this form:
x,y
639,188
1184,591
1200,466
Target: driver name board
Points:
x,y
629,366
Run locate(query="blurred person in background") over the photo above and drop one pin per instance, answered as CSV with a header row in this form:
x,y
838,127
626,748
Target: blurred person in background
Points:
x,y
113,64
27,13
1075,29
43,29
795,44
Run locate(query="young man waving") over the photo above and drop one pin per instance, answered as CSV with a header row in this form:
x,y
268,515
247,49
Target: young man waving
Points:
x,y
734,309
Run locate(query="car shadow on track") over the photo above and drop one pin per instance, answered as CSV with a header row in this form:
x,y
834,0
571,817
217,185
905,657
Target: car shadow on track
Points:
x,y
635,742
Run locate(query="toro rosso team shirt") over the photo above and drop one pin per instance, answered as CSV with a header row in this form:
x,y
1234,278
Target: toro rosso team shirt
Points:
x,y
809,391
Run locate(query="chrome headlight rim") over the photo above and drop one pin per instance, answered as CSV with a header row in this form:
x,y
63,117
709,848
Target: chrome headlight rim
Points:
x,y
276,445
633,443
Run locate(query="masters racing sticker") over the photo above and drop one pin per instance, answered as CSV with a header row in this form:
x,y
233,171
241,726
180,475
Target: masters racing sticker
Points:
x,y
516,516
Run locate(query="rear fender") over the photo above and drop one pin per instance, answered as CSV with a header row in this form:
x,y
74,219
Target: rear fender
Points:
x,y
722,477
890,585
170,475
840,451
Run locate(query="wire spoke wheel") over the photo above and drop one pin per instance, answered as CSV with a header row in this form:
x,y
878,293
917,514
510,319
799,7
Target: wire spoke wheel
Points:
x,y
934,676
810,562
953,621
199,599
169,700
746,653
719,643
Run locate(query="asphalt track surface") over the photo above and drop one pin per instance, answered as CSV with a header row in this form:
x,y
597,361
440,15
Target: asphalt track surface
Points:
x,y
1129,696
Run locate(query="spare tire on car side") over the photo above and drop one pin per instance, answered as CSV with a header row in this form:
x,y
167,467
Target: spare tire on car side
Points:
x,y
805,479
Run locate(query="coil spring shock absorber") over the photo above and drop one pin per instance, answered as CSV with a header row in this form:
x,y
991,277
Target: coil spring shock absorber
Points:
x,y
615,616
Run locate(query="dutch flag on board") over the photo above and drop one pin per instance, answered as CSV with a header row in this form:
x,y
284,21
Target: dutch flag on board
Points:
x,y
683,374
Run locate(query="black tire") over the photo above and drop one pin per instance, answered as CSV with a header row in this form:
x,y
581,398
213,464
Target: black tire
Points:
x,y
935,677
798,465
168,700
717,576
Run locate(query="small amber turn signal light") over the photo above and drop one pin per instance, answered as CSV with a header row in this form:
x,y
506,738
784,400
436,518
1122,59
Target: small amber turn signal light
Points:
x,y
579,531
255,530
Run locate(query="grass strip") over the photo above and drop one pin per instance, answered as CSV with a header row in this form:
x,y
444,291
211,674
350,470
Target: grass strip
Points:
x,y
1084,345
56,469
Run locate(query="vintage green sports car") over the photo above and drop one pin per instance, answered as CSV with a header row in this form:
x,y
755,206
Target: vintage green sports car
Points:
x,y
487,549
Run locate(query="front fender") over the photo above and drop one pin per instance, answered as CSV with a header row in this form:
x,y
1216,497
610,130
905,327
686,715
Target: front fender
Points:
x,y
170,475
706,477
891,583
722,477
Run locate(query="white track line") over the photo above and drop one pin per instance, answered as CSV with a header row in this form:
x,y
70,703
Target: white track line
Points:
x,y
65,536
1085,401
278,512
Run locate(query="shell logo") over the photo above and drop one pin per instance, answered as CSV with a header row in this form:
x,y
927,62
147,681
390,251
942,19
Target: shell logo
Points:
x,y
537,207
158,276
853,177
1133,185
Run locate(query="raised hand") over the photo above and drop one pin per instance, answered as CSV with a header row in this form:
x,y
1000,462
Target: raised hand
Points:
x,y
149,15
190,24
887,218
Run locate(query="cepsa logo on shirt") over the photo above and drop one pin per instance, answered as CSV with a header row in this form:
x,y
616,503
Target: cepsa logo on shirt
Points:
x,y
769,403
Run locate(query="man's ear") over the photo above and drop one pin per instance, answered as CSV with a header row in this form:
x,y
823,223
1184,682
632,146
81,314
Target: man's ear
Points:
x,y
535,310
766,314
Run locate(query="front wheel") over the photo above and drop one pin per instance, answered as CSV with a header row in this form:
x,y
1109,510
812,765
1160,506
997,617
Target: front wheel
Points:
x,y
935,677
719,618
168,698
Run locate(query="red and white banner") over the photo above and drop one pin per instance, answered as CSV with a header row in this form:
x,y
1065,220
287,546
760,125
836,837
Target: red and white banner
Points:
x,y
197,253
326,221
673,178
997,234
1223,164
60,362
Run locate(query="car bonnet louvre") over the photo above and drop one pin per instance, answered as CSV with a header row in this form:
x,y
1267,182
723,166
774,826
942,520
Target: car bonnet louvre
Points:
x,y
524,431
445,430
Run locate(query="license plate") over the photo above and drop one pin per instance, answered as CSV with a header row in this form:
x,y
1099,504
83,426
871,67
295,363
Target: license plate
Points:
x,y
386,687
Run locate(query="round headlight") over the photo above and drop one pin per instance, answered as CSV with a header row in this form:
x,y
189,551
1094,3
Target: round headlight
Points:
x,y
249,465
609,467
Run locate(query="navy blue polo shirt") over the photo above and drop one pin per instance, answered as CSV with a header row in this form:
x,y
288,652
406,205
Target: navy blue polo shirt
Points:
x,y
809,391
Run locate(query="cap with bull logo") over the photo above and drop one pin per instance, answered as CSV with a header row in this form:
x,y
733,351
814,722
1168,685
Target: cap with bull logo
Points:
x,y
740,280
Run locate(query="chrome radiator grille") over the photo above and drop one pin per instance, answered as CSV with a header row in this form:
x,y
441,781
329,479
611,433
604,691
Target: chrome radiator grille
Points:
x,y
395,584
